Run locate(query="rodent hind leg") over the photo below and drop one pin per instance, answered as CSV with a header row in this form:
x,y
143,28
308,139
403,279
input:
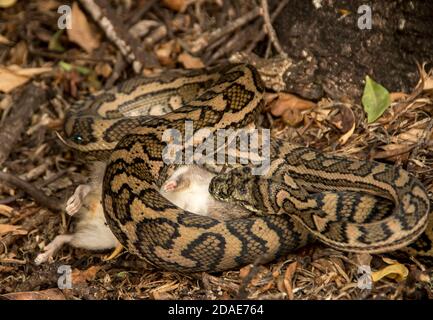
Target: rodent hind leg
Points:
x,y
53,247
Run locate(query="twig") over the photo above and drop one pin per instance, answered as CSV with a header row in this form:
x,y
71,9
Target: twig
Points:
x,y
260,36
40,218
210,38
30,99
39,197
140,12
41,184
270,29
65,57
421,144
130,48
117,71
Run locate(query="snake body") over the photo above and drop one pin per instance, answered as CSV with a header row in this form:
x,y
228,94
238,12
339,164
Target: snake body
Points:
x,y
348,204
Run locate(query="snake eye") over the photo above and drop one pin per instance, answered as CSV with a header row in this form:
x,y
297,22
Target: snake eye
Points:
x,y
77,138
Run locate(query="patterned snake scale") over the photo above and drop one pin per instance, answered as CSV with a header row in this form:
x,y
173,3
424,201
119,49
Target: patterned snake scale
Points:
x,y
348,204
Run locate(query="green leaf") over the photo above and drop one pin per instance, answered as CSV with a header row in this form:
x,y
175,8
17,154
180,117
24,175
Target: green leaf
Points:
x,y
83,70
65,66
54,43
69,67
375,99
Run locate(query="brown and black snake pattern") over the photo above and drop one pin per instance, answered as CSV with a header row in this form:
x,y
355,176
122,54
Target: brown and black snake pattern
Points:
x,y
348,204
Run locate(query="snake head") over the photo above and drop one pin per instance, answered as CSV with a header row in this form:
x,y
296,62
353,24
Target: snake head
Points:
x,y
232,186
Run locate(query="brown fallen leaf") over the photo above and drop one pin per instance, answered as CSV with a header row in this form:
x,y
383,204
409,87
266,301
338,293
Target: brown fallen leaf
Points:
x,y
47,5
103,69
413,135
393,150
190,62
7,268
243,272
7,3
344,120
9,228
13,76
166,51
177,5
287,101
19,54
6,210
163,292
82,32
4,40
82,276
426,78
395,96
288,279
49,294
292,117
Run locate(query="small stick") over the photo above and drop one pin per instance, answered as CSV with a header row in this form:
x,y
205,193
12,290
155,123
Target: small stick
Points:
x,y
65,57
39,197
130,48
262,34
117,71
201,43
140,12
270,29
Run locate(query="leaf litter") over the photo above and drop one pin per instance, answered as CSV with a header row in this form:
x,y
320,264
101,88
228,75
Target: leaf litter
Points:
x,y
401,134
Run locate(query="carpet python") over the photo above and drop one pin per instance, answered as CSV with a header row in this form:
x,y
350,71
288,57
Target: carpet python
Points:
x,y
348,204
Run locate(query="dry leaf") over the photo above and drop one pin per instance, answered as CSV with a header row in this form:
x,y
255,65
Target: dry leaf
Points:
x,y
287,101
395,271
80,277
243,272
143,27
288,278
4,40
177,5
395,96
344,119
49,294
9,228
393,150
6,210
162,292
413,135
103,69
19,54
81,32
343,139
13,76
165,51
426,78
7,3
190,62
292,117
47,5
